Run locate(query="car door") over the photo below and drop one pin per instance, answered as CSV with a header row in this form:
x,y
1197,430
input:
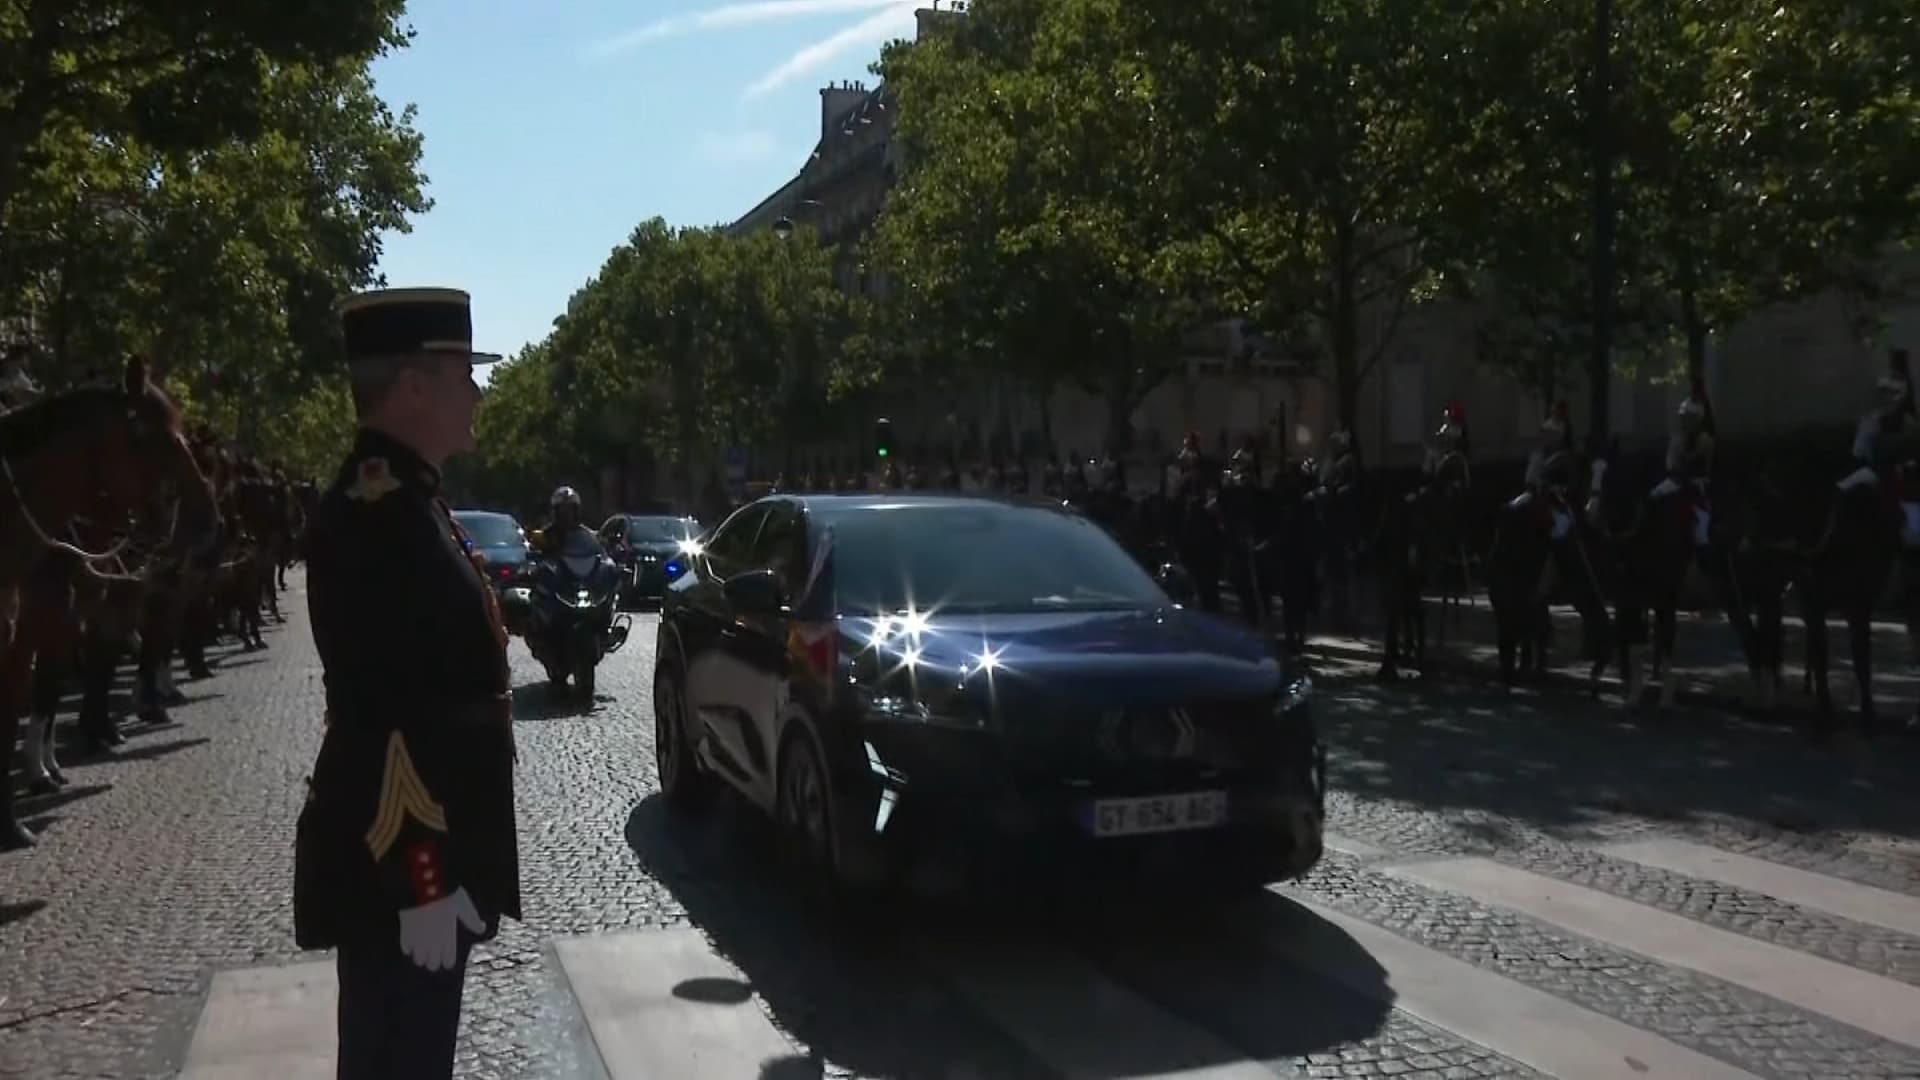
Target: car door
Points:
x,y
758,641
717,684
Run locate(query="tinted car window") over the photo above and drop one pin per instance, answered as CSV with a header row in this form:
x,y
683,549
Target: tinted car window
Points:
x,y
646,530
731,547
490,530
782,546
981,557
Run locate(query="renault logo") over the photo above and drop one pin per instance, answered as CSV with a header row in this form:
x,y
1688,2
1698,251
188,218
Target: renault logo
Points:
x,y
1146,735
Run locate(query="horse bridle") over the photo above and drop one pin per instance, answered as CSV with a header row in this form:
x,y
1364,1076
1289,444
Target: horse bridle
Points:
x,y
19,497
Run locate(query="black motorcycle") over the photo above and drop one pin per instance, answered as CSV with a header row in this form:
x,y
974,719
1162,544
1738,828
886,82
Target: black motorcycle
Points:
x,y
569,621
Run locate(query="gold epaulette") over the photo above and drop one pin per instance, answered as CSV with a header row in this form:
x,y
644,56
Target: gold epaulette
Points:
x,y
401,795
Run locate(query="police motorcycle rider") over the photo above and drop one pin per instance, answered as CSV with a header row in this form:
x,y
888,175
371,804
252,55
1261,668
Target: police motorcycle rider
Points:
x,y
563,523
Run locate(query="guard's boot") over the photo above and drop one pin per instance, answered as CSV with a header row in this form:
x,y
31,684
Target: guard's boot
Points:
x,y
166,693
51,759
39,781
13,835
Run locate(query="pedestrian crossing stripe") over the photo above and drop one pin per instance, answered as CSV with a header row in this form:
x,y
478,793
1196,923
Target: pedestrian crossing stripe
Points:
x,y
1849,995
662,1003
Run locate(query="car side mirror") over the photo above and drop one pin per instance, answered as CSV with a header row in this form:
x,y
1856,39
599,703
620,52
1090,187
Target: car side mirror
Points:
x,y
1176,582
756,592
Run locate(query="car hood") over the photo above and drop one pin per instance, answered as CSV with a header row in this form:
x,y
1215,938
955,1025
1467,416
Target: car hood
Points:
x,y
664,549
502,554
1093,659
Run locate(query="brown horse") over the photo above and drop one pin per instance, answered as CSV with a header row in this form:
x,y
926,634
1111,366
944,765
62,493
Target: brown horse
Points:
x,y
110,453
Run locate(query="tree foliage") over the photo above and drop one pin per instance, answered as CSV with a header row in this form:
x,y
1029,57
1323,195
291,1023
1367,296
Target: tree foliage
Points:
x,y
1080,181
203,187
686,340
1031,234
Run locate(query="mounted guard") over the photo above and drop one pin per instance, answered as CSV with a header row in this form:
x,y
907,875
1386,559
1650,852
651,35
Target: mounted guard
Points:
x,y
1690,462
1448,466
1884,448
1551,471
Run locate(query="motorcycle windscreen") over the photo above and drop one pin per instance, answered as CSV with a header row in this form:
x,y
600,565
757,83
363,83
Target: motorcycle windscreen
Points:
x,y
580,553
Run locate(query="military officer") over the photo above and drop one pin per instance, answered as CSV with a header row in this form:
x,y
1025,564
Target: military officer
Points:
x,y
406,854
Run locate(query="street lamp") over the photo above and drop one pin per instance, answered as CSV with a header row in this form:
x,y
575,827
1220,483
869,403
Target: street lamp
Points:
x,y
783,228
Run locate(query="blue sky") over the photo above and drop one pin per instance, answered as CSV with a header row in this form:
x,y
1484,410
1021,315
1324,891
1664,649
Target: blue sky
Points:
x,y
552,129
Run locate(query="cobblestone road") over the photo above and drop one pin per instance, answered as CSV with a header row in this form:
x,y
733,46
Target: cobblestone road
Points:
x,y
173,861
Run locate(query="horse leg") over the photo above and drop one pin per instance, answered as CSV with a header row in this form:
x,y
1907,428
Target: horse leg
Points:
x,y
1393,640
15,669
1860,639
1506,642
1663,634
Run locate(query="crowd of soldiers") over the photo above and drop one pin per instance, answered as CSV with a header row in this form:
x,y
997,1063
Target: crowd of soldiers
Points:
x,y
1621,551
74,617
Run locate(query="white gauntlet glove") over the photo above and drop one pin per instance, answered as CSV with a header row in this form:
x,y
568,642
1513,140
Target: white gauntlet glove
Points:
x,y
430,933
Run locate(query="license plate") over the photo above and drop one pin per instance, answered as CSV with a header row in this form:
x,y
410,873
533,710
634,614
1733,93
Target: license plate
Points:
x,y
1157,814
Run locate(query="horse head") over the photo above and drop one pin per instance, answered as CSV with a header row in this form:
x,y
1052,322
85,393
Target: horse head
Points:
x,y
147,458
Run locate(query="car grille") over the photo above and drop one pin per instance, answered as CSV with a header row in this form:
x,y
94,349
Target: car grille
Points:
x,y
1196,738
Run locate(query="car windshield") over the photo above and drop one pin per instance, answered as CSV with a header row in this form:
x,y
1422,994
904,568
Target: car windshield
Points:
x,y
490,530
981,557
649,530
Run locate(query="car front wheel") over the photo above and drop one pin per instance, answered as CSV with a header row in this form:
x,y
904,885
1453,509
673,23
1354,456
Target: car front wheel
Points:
x,y
683,783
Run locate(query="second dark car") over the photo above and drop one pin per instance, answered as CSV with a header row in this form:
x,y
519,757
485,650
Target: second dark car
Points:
x,y
899,679
651,550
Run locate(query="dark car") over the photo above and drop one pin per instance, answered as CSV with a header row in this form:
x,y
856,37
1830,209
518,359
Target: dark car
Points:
x,y
651,549
500,540
900,679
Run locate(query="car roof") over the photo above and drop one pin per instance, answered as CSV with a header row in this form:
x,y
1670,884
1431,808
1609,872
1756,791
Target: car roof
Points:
x,y
825,508
485,513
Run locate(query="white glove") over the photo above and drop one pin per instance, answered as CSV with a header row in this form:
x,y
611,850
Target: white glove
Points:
x,y
429,934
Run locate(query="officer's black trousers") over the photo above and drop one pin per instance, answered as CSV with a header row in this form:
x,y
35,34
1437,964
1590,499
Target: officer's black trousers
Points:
x,y
398,1021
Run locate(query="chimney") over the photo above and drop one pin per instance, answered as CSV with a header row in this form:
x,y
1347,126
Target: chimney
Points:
x,y
835,102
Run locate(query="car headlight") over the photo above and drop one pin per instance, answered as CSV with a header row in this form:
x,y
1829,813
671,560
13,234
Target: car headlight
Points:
x,y
912,711
1295,696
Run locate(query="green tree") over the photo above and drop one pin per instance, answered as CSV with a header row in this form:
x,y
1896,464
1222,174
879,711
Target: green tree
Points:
x,y
1315,147
1030,233
172,76
686,340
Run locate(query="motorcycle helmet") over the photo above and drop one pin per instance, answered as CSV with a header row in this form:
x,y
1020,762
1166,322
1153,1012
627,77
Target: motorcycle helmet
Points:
x,y
564,504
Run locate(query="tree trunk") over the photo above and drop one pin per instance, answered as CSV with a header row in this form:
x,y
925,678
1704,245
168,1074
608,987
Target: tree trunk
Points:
x,y
1600,360
1690,320
1346,327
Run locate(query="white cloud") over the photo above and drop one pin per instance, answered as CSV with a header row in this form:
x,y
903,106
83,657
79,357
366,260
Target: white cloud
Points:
x,y
730,15
736,148
894,21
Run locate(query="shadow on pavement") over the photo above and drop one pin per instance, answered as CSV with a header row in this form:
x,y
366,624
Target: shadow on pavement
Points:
x,y
1557,763
12,913
538,701
826,974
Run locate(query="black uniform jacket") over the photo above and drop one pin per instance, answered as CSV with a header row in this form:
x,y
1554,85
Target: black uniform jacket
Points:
x,y
412,794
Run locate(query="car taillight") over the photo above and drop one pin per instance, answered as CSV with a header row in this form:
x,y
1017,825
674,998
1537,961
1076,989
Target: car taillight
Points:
x,y
812,647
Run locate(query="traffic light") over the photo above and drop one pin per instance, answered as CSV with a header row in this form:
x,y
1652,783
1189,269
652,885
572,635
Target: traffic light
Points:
x,y
883,438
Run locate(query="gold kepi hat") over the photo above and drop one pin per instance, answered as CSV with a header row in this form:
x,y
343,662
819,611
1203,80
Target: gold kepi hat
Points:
x,y
405,322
